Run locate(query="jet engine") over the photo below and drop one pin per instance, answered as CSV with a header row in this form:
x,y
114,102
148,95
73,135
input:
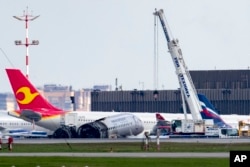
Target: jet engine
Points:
x,y
95,129
65,132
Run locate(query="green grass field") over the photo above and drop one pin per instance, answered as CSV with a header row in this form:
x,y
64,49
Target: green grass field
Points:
x,y
128,147
111,162
119,162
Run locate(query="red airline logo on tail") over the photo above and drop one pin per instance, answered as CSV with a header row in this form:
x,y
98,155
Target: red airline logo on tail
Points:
x,y
28,96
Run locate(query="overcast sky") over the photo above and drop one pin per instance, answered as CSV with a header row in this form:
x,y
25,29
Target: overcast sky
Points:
x,y
92,42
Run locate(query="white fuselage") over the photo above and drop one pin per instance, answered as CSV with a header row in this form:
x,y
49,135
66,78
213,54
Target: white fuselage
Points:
x,y
18,127
148,120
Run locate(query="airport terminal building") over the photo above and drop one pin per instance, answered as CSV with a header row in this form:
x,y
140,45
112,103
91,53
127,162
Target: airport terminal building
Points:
x,y
228,91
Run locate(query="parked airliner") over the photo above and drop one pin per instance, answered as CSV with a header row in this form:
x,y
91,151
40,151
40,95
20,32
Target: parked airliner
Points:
x,y
15,127
35,108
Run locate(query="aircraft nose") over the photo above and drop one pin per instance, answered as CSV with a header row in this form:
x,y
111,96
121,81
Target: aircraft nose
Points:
x,y
139,126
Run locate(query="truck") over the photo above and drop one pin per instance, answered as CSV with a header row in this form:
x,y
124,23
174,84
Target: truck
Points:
x,y
181,128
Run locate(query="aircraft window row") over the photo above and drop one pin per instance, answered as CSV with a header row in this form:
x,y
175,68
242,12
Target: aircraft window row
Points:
x,y
26,123
3,124
14,124
85,120
149,122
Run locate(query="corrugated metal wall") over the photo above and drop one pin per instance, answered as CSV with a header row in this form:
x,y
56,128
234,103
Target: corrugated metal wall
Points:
x,y
228,91
220,79
226,101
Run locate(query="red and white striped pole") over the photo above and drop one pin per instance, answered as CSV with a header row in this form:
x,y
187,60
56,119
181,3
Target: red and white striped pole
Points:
x,y
27,45
26,17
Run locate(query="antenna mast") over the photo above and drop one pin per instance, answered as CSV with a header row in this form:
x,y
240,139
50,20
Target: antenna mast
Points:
x,y
26,17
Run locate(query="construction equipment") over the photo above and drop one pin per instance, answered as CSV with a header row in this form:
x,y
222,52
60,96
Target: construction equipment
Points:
x,y
185,81
196,125
244,128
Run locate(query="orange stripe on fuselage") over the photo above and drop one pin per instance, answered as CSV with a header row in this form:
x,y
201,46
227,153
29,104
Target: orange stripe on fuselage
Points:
x,y
50,117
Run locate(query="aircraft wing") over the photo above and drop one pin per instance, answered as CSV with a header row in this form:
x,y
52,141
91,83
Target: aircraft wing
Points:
x,y
30,115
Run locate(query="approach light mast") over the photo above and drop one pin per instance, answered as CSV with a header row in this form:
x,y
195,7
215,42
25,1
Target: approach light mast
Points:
x,y
26,17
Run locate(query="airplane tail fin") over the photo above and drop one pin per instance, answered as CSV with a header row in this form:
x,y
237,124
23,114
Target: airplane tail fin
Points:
x,y
209,112
159,117
27,96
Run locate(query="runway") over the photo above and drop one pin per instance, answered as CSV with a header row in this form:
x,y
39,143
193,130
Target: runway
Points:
x,y
125,155
178,140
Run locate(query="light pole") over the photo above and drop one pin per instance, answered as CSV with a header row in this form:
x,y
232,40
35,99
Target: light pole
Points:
x,y
26,17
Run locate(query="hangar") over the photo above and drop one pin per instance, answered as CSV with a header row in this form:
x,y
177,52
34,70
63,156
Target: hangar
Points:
x,y
228,91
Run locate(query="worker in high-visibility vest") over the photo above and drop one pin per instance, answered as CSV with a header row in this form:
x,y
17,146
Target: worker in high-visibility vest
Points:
x,y
0,143
10,142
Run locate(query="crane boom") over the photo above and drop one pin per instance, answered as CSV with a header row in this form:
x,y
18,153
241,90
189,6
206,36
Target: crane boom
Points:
x,y
185,81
